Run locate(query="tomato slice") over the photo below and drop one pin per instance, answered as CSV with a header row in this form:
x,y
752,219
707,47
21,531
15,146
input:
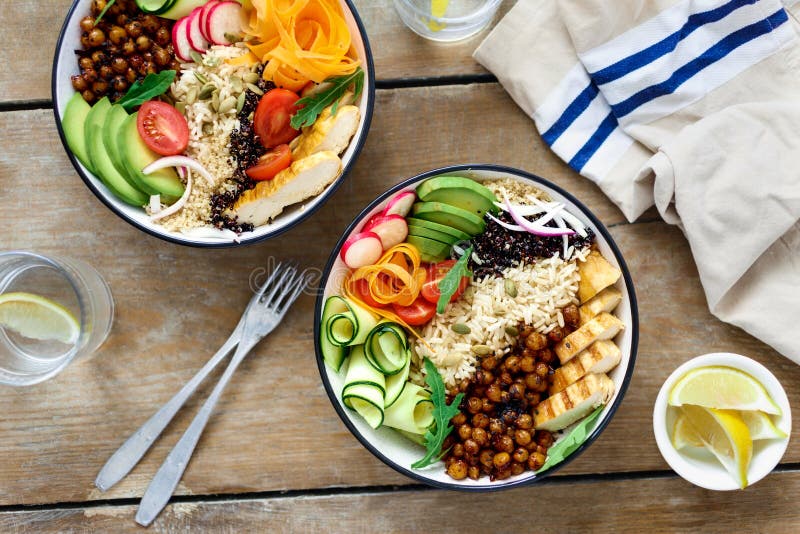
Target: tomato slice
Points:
x,y
271,121
418,313
271,163
162,128
361,288
437,271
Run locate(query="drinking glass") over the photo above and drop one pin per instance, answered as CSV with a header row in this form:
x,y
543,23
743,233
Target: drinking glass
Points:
x,y
69,283
446,20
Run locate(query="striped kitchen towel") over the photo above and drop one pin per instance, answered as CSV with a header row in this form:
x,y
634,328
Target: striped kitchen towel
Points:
x,y
693,105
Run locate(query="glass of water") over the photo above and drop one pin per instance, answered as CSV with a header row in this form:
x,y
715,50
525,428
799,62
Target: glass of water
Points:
x,y
446,20
52,310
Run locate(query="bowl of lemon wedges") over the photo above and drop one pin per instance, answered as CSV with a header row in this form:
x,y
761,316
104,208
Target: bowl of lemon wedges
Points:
x,y
722,421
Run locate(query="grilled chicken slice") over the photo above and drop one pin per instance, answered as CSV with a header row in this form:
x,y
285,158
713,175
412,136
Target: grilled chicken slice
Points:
x,y
604,326
578,400
605,301
304,178
329,132
596,275
600,357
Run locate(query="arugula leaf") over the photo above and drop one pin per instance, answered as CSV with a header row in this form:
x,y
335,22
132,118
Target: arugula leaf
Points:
x,y
314,104
448,285
103,12
569,444
152,86
442,413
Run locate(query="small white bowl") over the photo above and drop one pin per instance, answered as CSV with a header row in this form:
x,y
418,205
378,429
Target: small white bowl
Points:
x,y
700,467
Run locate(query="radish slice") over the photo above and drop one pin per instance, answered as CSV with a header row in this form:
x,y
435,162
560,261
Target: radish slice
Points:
x,y
391,229
400,204
174,208
193,33
363,248
180,40
225,17
204,11
178,161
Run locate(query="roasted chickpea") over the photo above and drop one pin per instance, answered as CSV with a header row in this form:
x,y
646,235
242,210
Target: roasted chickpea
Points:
x,y
474,472
572,315
512,364
464,432
100,87
150,23
457,450
122,19
459,419
78,83
471,447
458,470
88,95
496,426
489,362
128,47
96,37
89,75
525,421
517,468
501,460
131,75
143,43
87,24
134,29
480,436
505,378
99,57
474,404
503,443
536,460
119,65
494,393
487,406
105,72
119,84
555,335
536,341
516,391
98,6
522,437
479,420
162,36
527,364
544,438
546,355
486,458
542,369
520,455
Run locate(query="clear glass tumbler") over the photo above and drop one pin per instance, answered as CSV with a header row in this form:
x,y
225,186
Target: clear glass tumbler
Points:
x,y
62,282
446,20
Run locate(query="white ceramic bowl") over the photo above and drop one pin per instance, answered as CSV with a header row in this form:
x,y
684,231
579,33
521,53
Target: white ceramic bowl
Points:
x,y
395,450
700,467
65,64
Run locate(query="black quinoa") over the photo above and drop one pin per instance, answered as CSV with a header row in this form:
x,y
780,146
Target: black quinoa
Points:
x,y
500,248
245,152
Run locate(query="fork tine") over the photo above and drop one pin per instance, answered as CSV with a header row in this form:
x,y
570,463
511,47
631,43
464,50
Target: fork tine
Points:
x,y
268,282
289,296
279,284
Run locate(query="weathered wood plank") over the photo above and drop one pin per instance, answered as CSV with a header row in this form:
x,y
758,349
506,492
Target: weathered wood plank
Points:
x,y
274,428
31,30
619,506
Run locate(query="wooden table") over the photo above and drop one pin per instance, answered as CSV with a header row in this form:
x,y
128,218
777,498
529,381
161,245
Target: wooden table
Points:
x,y
275,456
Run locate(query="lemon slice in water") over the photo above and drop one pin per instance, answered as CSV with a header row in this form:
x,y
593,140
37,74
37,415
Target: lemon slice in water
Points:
x,y
438,9
726,435
37,317
723,388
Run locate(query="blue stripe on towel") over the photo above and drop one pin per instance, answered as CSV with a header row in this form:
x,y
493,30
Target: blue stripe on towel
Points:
x,y
591,146
724,47
569,115
666,45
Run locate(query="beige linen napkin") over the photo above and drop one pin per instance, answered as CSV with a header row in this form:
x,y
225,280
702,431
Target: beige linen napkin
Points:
x,y
712,88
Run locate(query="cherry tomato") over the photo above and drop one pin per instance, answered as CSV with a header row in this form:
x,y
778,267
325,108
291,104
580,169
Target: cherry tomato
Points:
x,y
361,289
437,271
162,128
271,121
271,163
418,313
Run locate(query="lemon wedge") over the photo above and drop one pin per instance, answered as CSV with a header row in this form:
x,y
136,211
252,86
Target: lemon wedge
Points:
x,y
683,434
723,388
726,435
761,426
37,317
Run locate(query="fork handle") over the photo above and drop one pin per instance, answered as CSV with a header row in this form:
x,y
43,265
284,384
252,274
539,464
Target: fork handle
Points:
x,y
128,455
169,474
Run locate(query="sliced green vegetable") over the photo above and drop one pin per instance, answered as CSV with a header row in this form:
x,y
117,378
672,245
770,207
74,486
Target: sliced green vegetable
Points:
x,y
448,285
570,443
332,353
442,414
396,383
364,388
386,347
413,411
314,104
349,323
152,86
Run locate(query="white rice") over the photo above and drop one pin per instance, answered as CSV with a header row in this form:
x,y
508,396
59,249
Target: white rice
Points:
x,y
209,131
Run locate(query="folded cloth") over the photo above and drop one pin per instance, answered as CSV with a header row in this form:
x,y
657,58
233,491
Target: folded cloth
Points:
x,y
707,92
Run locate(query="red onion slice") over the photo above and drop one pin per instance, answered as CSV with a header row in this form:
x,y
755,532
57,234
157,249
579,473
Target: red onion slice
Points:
x,y
534,228
178,161
174,208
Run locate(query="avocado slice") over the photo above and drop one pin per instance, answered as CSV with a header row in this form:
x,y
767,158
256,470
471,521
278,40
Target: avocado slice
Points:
x,y
436,227
136,156
419,231
102,164
114,119
460,192
73,123
448,215
429,250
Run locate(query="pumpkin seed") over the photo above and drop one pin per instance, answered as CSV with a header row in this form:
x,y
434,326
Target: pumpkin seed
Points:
x,y
227,104
251,77
240,103
255,89
236,84
191,96
461,328
512,331
215,100
206,92
211,61
196,57
482,350
232,37
181,107
511,288
208,128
